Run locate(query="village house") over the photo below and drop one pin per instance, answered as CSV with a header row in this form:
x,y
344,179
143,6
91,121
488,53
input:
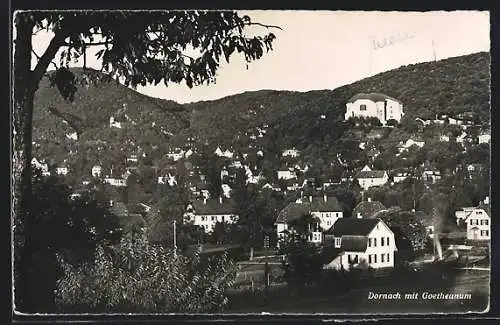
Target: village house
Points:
x,y
326,209
484,138
62,170
400,176
207,212
376,105
431,175
287,174
368,178
404,146
175,154
477,221
444,138
119,182
132,158
42,165
290,153
96,171
72,136
362,243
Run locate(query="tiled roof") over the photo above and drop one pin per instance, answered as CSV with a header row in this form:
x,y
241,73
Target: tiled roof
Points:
x,y
368,209
296,210
353,227
354,243
214,207
376,97
370,174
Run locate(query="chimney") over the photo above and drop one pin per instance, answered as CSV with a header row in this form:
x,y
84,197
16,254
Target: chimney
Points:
x,y
204,200
310,198
220,199
487,200
359,216
369,199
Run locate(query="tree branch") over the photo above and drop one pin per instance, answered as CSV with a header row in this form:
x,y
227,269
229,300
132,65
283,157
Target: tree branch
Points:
x,y
46,59
264,25
38,57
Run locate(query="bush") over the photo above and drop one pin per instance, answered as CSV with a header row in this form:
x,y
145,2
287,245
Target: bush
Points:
x,y
135,276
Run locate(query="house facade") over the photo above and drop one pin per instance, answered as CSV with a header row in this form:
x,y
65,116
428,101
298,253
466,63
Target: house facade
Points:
x,y
207,212
477,221
376,105
286,174
368,177
363,243
327,210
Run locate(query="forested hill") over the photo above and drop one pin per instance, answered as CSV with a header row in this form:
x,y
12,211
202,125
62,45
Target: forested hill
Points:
x,y
452,85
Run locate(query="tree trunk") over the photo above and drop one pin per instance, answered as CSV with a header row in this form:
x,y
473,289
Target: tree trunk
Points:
x,y
23,113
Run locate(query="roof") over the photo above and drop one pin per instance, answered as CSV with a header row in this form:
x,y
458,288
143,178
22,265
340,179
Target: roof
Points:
x,y
353,227
295,210
214,207
375,97
368,209
353,243
370,174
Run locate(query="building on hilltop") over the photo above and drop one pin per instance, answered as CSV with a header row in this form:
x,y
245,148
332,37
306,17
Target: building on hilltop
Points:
x,y
368,177
377,105
207,212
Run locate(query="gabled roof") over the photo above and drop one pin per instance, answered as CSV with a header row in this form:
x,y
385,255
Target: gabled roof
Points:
x,y
375,97
353,227
370,174
295,210
354,243
214,207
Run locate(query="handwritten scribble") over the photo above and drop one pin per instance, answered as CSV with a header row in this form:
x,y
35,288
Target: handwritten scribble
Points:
x,y
390,40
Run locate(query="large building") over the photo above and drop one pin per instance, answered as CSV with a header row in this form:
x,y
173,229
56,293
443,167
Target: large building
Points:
x,y
377,105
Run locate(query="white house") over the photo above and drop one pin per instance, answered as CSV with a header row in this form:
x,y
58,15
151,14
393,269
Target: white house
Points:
x,y
409,143
62,170
478,224
132,158
72,136
286,174
401,176
376,105
290,153
96,171
114,124
206,213
368,177
430,175
175,154
444,138
362,243
41,165
484,138
326,209
119,182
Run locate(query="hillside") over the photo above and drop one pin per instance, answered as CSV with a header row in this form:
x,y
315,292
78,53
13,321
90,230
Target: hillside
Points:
x,y
452,85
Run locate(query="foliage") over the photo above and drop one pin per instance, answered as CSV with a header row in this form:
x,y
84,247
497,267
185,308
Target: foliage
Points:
x,y
408,224
303,262
69,228
135,276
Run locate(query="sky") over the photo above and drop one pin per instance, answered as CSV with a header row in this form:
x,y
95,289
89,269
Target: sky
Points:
x,y
328,49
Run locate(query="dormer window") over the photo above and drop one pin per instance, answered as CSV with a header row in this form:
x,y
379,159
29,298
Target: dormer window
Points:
x,y
338,242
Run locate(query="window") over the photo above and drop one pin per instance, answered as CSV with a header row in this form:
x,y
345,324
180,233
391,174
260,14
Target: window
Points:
x,y
337,242
375,245
382,242
484,222
362,107
369,259
484,232
387,241
214,218
353,258
374,258
369,242
388,257
479,212
471,222
203,218
382,257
